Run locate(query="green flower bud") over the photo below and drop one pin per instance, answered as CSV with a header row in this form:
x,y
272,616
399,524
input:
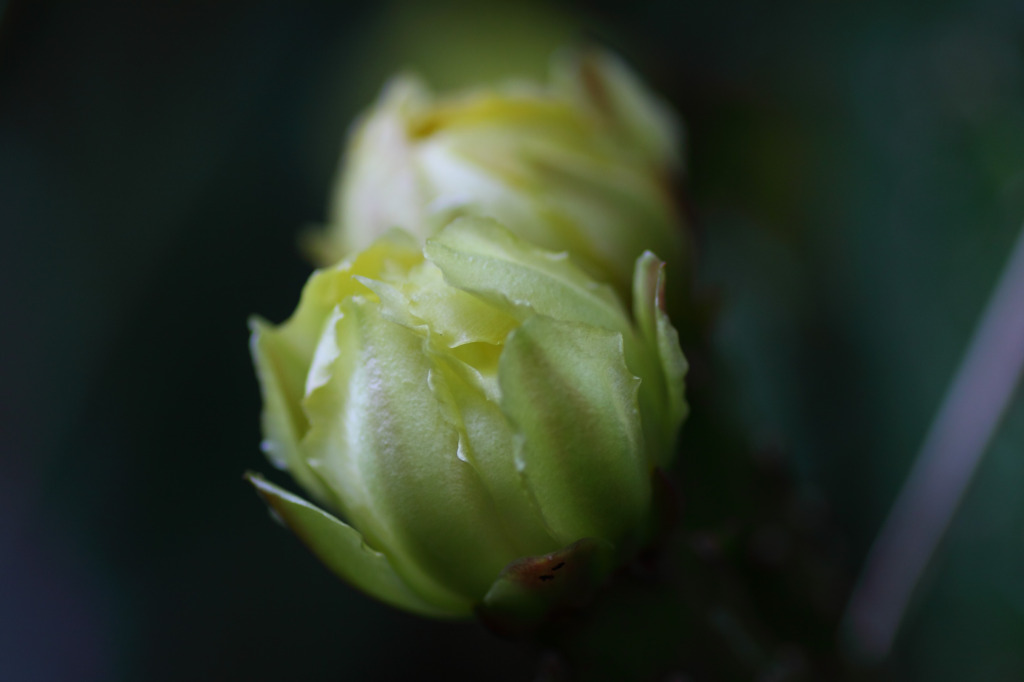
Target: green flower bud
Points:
x,y
581,165
480,418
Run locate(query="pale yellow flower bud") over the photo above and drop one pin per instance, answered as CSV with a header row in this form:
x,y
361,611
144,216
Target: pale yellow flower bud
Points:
x,y
582,164
479,419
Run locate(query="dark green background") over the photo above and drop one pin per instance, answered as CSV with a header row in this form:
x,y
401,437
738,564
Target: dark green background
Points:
x,y
857,173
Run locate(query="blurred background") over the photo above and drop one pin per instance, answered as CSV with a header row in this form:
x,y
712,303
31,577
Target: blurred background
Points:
x,y
856,170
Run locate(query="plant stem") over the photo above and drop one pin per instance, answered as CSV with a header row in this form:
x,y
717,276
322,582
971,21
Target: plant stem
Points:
x,y
956,441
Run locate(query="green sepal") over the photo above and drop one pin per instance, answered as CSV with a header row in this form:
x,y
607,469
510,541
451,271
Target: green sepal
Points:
x,y
662,342
344,551
532,588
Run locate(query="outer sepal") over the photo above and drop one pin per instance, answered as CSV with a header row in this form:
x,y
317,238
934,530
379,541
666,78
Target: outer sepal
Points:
x,y
662,341
529,590
343,550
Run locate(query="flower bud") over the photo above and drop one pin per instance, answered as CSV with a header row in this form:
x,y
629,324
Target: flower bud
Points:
x,y
477,419
581,165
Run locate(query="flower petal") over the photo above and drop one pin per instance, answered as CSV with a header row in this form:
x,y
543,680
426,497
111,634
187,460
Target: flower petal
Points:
x,y
486,441
454,317
284,355
480,256
379,162
568,391
602,82
379,437
615,207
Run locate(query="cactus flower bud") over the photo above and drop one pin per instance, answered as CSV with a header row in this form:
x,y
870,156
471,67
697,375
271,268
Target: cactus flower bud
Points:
x,y
477,420
582,165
